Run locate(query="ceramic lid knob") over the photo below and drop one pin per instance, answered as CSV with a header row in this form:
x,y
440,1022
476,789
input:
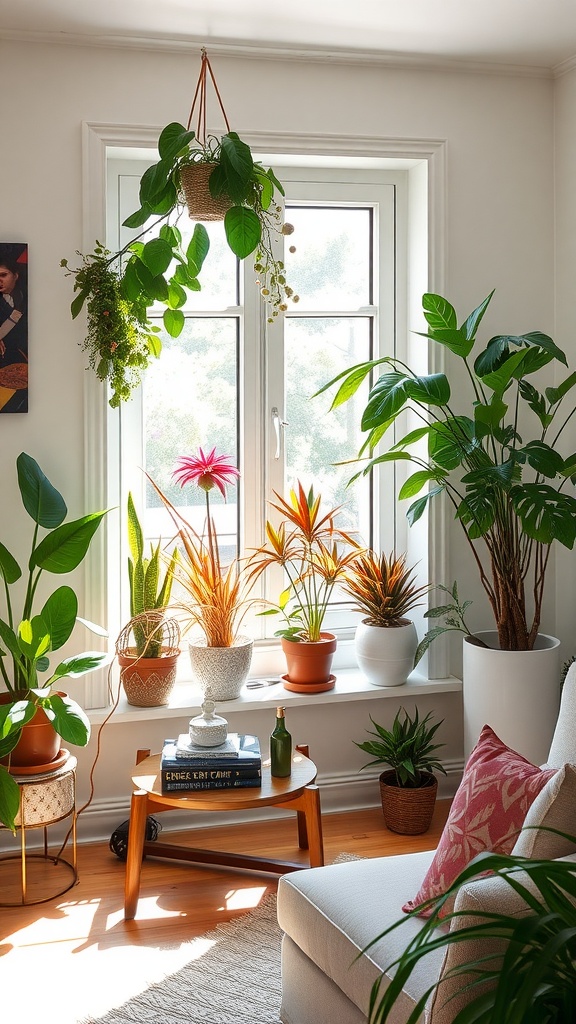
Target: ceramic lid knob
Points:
x,y
208,729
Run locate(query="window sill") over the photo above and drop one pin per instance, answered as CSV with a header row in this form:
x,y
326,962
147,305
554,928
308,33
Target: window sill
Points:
x,y
350,686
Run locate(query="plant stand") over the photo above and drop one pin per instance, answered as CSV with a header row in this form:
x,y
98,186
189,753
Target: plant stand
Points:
x,y
44,800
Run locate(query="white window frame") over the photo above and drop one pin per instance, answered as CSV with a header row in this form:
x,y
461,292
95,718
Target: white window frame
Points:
x,y
423,164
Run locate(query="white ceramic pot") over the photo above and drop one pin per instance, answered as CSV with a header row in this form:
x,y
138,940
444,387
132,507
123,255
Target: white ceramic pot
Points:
x,y
221,671
517,693
385,654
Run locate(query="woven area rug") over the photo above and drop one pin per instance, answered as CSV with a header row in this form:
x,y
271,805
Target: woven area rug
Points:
x,y
233,977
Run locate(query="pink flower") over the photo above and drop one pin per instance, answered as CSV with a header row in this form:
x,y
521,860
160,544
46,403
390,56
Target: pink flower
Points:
x,y
206,471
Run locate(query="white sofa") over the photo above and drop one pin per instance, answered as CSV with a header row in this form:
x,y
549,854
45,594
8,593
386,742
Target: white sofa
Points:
x,y
329,914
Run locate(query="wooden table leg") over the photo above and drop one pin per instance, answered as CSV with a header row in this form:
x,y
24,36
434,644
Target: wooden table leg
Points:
x,y
136,836
313,820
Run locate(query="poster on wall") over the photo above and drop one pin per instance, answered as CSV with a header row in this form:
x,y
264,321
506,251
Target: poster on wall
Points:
x,y
13,327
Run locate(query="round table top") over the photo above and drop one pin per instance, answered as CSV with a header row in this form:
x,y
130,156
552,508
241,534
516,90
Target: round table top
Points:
x,y
146,776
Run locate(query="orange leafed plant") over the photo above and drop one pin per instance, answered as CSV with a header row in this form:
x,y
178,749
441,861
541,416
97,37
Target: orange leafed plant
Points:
x,y
308,546
217,594
383,588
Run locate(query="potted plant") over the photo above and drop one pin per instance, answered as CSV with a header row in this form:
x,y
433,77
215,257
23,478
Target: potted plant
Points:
x,y
384,591
496,455
308,547
120,340
32,712
148,668
215,594
408,788
513,965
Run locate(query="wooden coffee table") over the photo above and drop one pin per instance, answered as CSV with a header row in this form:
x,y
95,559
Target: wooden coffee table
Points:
x,y
296,793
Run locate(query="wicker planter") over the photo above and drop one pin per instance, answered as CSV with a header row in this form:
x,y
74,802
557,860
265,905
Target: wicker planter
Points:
x,y
148,682
201,205
407,811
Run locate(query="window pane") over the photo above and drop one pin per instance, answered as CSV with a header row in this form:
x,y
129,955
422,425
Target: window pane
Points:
x,y
316,350
190,400
331,268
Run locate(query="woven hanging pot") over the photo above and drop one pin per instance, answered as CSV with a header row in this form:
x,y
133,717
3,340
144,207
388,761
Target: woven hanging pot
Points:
x,y
201,205
407,811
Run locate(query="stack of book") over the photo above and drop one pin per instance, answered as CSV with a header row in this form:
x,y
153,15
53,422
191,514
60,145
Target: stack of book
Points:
x,y
234,764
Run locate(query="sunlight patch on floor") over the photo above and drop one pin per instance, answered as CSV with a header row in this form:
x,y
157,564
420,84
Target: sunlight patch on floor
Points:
x,y
244,899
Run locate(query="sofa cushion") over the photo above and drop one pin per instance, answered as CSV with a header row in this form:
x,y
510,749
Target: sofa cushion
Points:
x,y
334,912
554,807
487,812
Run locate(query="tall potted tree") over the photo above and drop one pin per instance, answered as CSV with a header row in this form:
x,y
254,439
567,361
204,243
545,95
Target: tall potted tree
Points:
x,y
497,456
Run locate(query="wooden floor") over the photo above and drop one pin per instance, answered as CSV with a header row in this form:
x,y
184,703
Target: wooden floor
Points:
x,y
84,935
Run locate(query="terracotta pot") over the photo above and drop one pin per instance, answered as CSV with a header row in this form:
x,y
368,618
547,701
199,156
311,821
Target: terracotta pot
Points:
x,y
407,811
39,743
309,664
221,671
148,682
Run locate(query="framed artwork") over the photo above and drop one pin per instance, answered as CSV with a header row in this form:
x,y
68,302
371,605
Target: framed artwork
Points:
x,y
13,327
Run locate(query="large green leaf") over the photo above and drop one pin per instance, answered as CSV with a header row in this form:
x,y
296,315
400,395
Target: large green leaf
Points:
x,y
79,665
415,483
63,549
555,394
33,638
9,568
418,507
43,503
198,247
439,313
490,415
68,719
386,399
452,441
546,515
173,320
9,799
59,613
174,138
433,389
10,640
243,230
135,535
503,373
472,322
541,457
238,166
154,181
453,339
157,255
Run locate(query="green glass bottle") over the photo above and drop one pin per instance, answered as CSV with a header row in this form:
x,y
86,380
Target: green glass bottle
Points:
x,y
280,748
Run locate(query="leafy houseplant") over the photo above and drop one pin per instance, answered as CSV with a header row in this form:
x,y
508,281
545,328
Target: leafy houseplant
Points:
x,y
148,670
497,458
408,788
384,591
122,342
309,548
30,640
531,980
215,595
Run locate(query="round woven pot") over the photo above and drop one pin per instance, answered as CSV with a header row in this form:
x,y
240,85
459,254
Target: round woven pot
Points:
x,y
148,682
407,811
221,671
201,205
309,664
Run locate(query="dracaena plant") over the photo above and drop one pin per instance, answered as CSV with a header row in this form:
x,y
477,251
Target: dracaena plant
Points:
x,y
28,640
314,555
499,453
383,588
150,587
406,748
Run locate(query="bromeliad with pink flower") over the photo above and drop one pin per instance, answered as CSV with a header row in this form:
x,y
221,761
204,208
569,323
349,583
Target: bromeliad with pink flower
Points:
x,y
216,593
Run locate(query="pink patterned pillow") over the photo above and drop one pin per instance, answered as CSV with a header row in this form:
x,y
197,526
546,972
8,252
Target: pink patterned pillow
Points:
x,y
487,812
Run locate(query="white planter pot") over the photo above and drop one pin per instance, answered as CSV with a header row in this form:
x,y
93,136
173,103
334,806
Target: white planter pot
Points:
x,y
385,654
517,693
221,671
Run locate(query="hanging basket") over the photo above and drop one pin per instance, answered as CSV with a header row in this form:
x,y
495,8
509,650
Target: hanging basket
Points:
x,y
196,193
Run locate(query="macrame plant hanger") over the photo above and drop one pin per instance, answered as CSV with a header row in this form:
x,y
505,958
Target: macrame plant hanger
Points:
x,y
194,178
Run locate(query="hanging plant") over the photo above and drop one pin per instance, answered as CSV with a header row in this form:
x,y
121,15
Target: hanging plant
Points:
x,y
118,288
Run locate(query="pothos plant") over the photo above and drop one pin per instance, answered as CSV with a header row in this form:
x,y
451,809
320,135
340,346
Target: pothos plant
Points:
x,y
156,267
494,452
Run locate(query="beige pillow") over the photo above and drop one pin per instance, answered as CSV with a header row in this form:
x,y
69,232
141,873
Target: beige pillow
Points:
x,y
554,807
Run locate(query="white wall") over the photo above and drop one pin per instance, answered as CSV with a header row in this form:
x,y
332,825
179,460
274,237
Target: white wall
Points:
x,y
499,230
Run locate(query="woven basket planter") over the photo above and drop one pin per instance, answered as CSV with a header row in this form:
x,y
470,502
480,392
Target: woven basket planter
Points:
x,y
201,205
407,811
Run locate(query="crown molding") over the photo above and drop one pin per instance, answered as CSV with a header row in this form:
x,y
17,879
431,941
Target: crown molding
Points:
x,y
565,67
264,51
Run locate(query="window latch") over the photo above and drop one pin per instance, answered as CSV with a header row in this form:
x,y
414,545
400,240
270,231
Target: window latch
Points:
x,y
278,425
